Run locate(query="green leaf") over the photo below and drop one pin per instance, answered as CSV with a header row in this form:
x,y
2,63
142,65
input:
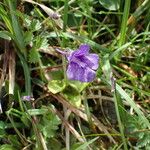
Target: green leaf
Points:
x,y
78,85
110,4
5,35
25,120
28,37
34,112
34,56
137,129
72,95
35,25
56,86
71,91
2,129
144,141
41,42
49,124
6,147
13,139
2,125
74,99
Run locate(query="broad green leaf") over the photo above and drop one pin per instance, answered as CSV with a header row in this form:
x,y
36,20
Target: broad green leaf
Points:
x,y
78,85
73,99
56,86
72,95
110,4
34,56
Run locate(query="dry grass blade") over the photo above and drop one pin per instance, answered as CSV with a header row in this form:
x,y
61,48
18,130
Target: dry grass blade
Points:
x,y
3,72
81,114
70,128
50,50
12,65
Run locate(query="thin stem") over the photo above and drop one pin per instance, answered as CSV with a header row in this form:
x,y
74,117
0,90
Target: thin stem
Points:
x,y
65,19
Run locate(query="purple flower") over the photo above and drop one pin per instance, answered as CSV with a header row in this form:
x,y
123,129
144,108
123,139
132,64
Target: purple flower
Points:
x,y
82,65
26,98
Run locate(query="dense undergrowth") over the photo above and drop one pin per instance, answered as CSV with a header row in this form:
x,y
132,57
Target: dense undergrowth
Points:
x,y
41,109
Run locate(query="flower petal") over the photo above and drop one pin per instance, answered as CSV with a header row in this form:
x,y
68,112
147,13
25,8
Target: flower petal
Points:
x,y
92,60
89,75
70,56
76,72
26,98
83,50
